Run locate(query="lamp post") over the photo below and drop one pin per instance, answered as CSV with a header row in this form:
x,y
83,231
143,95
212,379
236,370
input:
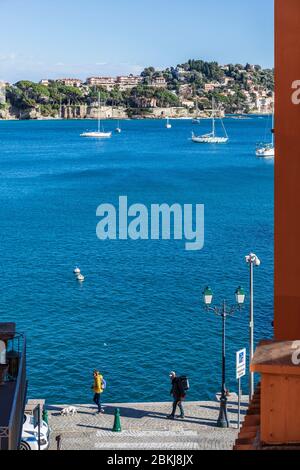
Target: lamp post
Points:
x,y
252,260
223,311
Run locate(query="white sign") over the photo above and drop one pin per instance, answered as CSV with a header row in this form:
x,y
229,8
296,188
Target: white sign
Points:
x,y
241,363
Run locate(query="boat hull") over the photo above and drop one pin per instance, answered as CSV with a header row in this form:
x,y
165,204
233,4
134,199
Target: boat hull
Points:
x,y
210,140
265,152
97,135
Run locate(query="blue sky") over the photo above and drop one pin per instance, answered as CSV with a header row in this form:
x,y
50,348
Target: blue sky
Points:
x,y
52,38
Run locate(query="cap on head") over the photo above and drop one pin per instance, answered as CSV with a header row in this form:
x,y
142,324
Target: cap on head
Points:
x,y
172,374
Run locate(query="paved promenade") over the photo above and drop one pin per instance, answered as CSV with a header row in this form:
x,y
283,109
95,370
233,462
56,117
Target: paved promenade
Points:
x,y
144,426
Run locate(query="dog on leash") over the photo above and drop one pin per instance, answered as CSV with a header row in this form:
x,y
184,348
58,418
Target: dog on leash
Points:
x,y
69,411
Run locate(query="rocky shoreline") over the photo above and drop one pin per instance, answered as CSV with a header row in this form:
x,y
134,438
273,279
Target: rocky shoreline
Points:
x,y
107,112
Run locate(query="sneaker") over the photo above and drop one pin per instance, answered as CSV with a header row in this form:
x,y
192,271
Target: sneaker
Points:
x,y
181,416
170,417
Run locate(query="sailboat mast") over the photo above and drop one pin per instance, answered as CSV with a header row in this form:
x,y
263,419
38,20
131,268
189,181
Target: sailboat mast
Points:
x,y
99,111
213,118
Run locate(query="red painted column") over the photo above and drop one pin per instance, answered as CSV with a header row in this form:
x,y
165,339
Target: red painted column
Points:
x,y
287,170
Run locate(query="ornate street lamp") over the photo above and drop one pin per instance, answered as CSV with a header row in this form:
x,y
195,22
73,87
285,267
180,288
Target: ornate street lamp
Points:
x,y
252,260
223,311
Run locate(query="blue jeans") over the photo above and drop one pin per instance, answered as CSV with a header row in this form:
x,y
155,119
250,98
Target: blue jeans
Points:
x,y
97,400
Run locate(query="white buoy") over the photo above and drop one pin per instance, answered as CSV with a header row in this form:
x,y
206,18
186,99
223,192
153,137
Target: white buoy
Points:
x,y
76,270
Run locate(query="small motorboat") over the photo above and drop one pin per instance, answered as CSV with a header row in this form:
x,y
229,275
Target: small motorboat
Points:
x,y
266,151
80,277
76,270
168,125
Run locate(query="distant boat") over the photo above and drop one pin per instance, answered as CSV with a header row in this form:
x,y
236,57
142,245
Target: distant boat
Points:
x,y
168,125
97,134
196,120
267,150
118,128
211,138
80,277
76,270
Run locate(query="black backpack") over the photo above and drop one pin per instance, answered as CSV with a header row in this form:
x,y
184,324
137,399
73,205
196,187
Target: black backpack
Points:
x,y
184,382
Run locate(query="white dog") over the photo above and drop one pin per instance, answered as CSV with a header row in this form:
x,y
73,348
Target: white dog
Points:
x,y
69,411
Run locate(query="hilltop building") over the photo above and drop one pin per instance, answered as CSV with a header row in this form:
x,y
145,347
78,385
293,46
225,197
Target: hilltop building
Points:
x,y
158,82
122,82
128,82
211,86
45,82
106,82
75,82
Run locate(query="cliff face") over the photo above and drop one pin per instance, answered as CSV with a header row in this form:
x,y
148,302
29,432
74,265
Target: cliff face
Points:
x,y
106,112
90,112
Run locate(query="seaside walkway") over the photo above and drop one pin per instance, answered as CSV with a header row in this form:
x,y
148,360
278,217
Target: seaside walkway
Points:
x,y
144,426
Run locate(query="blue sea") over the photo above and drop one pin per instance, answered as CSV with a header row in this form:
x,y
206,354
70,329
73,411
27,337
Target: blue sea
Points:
x,y
139,313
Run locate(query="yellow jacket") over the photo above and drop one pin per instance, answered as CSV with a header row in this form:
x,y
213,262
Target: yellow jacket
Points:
x,y
98,388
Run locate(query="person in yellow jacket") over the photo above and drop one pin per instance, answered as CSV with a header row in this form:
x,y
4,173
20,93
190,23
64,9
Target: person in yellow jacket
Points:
x,y
98,387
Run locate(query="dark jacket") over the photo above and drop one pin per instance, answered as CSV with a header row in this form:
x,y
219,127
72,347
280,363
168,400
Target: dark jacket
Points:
x,y
177,389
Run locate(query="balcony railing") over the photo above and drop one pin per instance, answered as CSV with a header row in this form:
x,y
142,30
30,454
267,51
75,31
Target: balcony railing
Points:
x,y
13,394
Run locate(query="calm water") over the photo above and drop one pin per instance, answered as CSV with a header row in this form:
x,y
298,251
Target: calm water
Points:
x,y
139,313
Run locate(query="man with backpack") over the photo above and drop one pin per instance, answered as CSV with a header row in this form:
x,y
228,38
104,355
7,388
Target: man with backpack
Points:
x,y
178,390
98,387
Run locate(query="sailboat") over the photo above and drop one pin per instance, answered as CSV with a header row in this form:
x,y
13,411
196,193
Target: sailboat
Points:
x,y
97,134
211,138
267,150
168,125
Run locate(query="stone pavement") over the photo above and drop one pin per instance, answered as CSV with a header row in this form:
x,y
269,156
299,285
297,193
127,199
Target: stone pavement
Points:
x,y
144,426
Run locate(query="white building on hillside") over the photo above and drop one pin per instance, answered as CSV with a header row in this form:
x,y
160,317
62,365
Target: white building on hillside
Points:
x,y
128,82
75,82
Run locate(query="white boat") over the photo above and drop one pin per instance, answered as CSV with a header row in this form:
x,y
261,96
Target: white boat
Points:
x,y
76,270
80,277
267,150
197,119
97,134
118,129
168,125
211,138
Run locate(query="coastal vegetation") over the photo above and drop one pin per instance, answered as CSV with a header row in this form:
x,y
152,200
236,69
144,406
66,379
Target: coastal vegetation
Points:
x,y
191,85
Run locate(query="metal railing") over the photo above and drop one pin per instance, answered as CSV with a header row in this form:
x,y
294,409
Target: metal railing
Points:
x,y
10,435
